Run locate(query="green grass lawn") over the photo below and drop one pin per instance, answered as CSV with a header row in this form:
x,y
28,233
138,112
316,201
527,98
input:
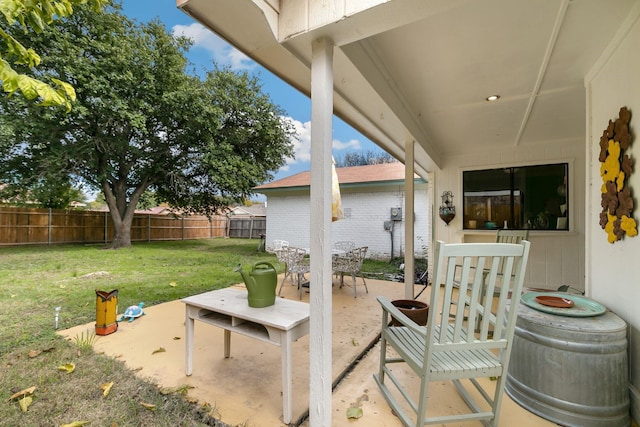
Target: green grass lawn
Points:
x,y
36,280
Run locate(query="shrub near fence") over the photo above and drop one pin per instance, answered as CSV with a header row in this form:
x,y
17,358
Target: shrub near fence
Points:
x,y
33,226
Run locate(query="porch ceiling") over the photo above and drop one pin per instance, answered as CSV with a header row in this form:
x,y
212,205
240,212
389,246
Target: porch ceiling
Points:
x,y
422,69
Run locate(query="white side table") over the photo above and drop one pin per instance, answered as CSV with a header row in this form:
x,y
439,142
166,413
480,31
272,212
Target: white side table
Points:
x,y
279,324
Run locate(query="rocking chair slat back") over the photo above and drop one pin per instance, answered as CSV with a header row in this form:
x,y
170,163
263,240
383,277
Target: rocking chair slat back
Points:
x,y
468,335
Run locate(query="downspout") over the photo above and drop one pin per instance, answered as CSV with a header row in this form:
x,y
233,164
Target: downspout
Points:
x,y
391,234
409,220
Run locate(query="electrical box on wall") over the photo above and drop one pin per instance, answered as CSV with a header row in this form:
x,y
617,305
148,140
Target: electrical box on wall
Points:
x,y
388,225
396,214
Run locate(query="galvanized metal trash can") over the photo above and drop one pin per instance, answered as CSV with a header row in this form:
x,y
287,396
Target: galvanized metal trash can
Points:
x,y
106,312
571,371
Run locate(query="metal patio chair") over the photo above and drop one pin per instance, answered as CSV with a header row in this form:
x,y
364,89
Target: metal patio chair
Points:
x,y
296,266
344,245
279,248
350,263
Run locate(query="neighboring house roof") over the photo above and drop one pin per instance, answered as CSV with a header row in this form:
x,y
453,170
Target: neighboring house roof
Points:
x,y
253,210
158,210
354,175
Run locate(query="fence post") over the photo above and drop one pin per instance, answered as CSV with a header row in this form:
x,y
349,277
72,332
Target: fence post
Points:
x,y
49,228
183,228
148,227
251,228
105,228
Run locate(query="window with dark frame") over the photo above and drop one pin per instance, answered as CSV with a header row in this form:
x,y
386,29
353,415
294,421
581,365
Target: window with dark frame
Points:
x,y
519,197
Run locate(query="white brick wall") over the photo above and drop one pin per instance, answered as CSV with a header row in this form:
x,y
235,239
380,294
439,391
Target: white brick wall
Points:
x,y
366,211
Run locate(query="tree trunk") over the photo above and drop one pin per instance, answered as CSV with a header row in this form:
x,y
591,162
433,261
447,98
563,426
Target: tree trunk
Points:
x,y
121,227
122,237
122,211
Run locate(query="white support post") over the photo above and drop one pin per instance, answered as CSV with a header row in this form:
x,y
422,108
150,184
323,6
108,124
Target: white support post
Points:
x,y
409,208
320,277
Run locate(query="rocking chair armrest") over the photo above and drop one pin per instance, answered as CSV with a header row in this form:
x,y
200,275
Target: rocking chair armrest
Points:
x,y
388,307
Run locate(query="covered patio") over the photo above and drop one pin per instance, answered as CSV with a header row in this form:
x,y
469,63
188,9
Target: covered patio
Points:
x,y
449,87
246,388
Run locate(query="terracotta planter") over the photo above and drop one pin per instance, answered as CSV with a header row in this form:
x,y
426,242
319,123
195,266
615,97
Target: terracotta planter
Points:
x,y
417,311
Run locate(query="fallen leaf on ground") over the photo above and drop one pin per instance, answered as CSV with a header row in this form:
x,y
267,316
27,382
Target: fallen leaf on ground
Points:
x,y
76,424
23,392
106,388
149,406
69,367
354,413
182,389
159,350
24,403
173,284
34,353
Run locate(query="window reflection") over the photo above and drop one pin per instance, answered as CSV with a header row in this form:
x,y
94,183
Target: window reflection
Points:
x,y
533,197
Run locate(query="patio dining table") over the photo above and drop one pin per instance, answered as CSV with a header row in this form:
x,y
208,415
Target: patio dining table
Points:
x,y
334,251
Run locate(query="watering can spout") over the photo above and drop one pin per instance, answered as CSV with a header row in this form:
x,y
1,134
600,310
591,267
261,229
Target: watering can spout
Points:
x,y
248,280
261,284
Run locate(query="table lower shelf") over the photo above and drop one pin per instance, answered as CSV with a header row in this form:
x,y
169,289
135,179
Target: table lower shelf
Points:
x,y
238,325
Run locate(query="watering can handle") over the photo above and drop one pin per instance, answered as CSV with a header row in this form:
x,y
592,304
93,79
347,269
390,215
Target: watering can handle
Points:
x,y
263,263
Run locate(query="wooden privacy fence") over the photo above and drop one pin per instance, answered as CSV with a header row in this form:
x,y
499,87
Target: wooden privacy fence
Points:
x,y
32,226
247,228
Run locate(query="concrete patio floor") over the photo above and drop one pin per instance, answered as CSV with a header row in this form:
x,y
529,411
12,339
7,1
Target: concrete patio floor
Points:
x,y
246,389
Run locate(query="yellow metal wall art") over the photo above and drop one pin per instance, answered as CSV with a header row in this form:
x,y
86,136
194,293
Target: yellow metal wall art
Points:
x,y
616,217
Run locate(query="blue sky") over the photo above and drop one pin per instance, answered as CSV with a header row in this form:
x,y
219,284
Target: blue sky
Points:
x,y
208,48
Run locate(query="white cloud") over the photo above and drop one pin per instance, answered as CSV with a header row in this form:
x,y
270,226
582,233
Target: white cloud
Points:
x,y
222,52
352,144
302,144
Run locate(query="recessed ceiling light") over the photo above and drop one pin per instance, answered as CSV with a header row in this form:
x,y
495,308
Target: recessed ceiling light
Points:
x,y
493,98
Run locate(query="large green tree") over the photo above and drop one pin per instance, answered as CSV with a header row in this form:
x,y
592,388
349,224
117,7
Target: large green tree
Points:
x,y
142,121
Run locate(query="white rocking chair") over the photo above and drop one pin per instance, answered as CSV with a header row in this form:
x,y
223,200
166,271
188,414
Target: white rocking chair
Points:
x,y
449,348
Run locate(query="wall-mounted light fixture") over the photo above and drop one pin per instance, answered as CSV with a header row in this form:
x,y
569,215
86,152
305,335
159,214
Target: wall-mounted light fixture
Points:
x,y
447,210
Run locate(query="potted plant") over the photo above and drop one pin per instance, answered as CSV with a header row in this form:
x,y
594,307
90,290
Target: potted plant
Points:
x,y
417,311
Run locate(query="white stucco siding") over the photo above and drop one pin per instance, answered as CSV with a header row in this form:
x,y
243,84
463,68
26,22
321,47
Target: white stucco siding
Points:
x,y
366,211
612,269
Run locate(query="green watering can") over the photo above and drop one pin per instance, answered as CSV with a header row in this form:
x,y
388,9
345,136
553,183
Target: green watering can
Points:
x,y
261,284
